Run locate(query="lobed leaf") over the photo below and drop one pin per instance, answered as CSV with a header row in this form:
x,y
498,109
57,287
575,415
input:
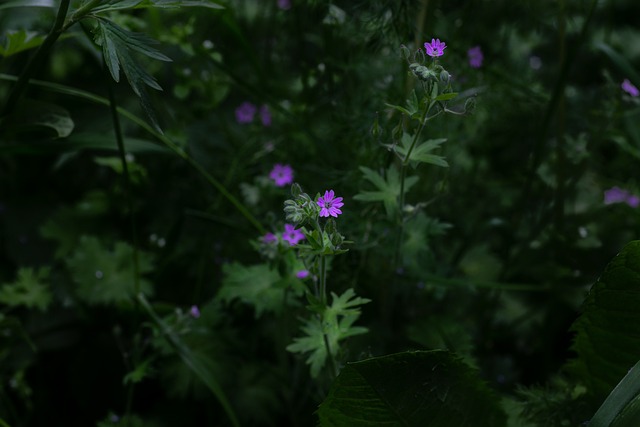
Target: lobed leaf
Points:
x,y
19,41
388,190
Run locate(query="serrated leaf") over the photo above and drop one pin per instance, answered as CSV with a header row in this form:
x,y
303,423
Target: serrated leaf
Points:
x,y
106,276
336,324
13,42
422,151
423,388
29,289
117,45
388,190
140,372
607,341
254,285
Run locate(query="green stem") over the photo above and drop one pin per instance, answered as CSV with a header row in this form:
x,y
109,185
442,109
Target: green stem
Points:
x,y
403,173
80,13
127,180
323,296
38,57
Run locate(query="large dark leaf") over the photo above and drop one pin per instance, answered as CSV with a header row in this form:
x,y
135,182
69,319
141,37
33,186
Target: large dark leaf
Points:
x,y
608,330
422,388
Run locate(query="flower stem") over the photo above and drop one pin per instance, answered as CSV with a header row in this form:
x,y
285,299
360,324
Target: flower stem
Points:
x,y
403,173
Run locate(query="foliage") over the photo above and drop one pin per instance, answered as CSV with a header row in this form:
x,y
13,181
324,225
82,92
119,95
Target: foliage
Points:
x,y
320,207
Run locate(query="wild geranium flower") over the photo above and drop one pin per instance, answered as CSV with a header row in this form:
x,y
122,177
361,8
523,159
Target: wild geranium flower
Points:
x,y
475,57
265,116
302,274
435,48
615,195
281,174
245,113
619,195
194,311
284,4
269,238
329,204
292,235
628,87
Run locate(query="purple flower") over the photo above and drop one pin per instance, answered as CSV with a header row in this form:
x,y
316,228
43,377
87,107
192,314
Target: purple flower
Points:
x,y
281,174
302,274
475,57
618,195
292,235
329,204
435,48
628,87
245,112
265,115
284,4
269,238
194,311
615,195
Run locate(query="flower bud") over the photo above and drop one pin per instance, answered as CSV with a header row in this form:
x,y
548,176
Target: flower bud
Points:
x,y
445,77
470,105
295,190
405,52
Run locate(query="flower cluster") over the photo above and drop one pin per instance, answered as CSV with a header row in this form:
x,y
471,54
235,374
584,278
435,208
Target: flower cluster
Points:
x,y
246,112
302,209
619,195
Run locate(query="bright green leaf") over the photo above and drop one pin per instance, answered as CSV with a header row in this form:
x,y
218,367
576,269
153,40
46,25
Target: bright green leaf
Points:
x,y
17,41
36,117
422,151
336,324
30,289
424,388
388,190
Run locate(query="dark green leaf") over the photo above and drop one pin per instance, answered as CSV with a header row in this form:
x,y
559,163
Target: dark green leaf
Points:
x,y
387,190
107,276
28,3
425,388
607,341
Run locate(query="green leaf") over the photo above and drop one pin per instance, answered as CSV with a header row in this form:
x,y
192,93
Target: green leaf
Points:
x,y
106,276
607,342
446,96
421,152
423,388
17,41
255,285
28,3
117,45
29,290
388,190
161,4
336,324
622,406
142,371
37,117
